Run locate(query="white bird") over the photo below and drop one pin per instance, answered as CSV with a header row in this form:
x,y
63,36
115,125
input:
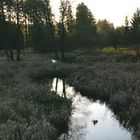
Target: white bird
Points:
x,y
53,61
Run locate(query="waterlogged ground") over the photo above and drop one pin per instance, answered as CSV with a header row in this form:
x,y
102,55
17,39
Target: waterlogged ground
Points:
x,y
90,119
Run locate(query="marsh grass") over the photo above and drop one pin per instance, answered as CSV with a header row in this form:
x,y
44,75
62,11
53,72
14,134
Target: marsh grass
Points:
x,y
113,76
131,50
29,110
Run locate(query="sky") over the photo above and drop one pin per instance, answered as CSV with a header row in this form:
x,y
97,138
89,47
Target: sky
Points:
x,y
112,10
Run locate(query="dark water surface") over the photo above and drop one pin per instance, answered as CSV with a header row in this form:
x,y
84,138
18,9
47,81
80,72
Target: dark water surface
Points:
x,y
90,120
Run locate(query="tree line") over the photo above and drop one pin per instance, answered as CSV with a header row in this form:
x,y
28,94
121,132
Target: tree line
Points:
x,y
31,23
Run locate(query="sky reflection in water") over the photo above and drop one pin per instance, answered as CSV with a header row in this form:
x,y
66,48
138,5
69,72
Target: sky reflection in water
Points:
x,y
81,122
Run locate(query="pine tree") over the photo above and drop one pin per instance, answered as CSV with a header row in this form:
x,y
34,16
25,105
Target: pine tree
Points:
x,y
126,32
62,25
49,23
69,18
135,27
85,25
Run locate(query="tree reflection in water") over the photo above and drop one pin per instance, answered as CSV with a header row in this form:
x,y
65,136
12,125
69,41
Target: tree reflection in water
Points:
x,y
86,113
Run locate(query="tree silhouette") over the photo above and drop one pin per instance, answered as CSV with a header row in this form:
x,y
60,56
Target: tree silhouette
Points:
x,y
62,26
106,33
126,32
85,25
135,27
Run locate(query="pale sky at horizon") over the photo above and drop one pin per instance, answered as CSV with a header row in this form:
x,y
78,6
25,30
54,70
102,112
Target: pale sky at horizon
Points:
x,y
112,10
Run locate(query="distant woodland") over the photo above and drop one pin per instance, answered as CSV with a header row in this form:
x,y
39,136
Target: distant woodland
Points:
x,y
32,24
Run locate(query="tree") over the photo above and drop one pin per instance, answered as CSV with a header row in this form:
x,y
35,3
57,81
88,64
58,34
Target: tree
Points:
x,y
135,27
42,29
5,9
48,16
3,24
62,26
70,22
70,26
126,32
10,22
34,10
119,36
105,32
17,5
85,25
50,28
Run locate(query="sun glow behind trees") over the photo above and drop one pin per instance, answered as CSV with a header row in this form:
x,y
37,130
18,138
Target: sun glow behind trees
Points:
x,y
112,10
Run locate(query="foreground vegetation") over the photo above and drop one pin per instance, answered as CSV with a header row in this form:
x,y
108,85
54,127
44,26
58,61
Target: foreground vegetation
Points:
x,y
28,109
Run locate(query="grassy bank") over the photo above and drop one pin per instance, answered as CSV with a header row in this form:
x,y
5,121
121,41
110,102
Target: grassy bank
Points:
x,y
112,77
28,109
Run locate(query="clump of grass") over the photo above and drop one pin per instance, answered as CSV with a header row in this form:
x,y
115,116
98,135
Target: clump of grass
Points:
x,y
20,119
40,130
49,71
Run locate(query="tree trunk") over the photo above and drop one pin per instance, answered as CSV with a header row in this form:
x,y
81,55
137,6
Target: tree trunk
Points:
x,y
52,35
18,55
63,42
12,59
7,55
18,32
6,32
62,52
26,33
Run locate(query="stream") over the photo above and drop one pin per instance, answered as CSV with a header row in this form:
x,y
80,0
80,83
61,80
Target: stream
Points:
x,y
90,120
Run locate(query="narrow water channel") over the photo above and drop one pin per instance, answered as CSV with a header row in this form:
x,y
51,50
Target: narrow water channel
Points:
x,y
90,120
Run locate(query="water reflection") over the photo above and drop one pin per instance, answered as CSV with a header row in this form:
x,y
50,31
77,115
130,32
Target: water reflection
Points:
x,y
90,120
